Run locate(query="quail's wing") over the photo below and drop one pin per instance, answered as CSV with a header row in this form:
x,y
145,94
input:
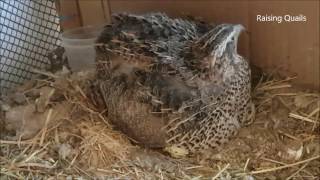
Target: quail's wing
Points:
x,y
153,34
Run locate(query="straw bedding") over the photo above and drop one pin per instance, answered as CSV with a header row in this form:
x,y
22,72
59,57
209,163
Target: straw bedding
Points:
x,y
51,130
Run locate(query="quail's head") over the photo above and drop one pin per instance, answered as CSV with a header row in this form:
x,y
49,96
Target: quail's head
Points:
x,y
221,46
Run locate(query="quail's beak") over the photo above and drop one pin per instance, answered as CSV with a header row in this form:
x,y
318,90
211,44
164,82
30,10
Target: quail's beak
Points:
x,y
240,27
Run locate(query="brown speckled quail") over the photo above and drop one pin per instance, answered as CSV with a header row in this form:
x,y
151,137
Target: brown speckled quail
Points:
x,y
193,102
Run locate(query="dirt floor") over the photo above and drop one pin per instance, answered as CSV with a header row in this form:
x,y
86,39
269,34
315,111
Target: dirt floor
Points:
x,y
50,130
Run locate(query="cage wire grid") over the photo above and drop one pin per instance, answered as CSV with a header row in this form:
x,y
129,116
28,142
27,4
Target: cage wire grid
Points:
x,y
28,30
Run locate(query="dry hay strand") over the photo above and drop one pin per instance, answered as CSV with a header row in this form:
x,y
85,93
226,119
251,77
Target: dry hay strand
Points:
x,y
77,138
294,115
100,147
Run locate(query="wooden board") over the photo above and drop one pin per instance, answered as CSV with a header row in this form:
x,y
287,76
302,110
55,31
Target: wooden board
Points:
x,y
291,47
92,12
107,10
69,13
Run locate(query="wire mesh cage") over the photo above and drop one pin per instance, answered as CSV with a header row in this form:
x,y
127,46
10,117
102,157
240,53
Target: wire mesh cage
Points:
x,y
28,30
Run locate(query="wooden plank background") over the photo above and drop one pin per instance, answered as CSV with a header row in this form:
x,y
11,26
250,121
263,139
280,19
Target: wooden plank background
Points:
x,y
292,48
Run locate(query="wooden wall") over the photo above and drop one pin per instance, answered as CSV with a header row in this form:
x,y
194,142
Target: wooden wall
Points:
x,y
293,48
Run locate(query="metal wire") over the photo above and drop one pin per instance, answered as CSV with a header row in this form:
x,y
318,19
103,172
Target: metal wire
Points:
x,y
28,30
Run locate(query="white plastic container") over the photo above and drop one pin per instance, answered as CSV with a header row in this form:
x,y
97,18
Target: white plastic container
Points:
x,y
79,46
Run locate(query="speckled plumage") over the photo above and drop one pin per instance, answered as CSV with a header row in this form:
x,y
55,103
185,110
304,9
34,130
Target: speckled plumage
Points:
x,y
185,85
152,35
